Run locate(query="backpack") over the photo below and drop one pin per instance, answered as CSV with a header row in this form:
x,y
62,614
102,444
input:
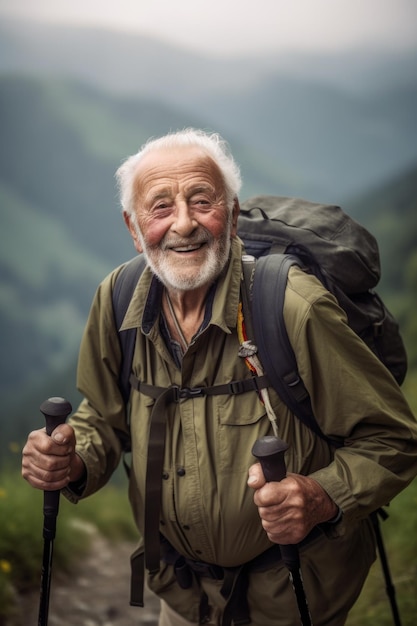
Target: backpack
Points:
x,y
343,255
322,239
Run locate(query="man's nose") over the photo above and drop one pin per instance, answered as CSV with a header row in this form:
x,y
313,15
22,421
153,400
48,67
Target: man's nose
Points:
x,y
185,221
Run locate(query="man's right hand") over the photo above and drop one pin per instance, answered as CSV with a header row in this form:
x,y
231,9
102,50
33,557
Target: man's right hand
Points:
x,y
50,463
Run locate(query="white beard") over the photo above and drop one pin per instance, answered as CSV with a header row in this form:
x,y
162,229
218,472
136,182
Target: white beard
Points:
x,y
218,251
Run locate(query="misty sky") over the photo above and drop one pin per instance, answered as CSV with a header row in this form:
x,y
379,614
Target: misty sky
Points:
x,y
238,26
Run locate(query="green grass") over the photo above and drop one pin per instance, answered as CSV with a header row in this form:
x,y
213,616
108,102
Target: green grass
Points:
x,y
21,542
400,540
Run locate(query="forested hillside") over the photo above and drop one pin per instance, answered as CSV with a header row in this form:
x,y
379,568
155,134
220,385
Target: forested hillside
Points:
x,y
60,225
334,123
330,126
390,213
61,229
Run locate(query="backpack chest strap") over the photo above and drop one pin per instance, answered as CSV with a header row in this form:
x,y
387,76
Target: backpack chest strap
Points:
x,y
233,388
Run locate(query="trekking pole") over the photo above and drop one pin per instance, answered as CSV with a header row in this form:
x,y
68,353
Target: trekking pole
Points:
x,y
270,453
389,586
56,411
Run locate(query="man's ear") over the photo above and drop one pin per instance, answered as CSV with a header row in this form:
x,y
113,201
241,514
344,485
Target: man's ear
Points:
x,y
235,215
128,220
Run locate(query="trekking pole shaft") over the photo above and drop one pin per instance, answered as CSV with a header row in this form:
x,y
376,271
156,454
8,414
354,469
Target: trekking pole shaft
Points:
x,y
389,586
55,411
270,453
48,548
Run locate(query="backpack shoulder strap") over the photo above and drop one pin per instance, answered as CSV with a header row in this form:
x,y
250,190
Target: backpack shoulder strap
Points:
x,y
267,293
123,289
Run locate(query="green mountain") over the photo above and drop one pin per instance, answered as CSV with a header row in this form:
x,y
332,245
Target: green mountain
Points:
x,y
61,231
390,212
335,122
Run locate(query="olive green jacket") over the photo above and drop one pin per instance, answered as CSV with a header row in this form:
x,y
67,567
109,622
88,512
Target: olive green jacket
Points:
x,y
207,509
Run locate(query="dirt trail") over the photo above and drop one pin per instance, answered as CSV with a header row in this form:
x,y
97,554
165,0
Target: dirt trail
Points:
x,y
96,593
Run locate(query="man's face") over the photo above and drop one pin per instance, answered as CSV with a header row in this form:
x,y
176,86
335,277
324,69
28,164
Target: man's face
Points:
x,y
181,220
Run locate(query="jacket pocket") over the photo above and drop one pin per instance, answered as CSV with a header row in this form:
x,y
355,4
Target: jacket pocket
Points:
x,y
241,420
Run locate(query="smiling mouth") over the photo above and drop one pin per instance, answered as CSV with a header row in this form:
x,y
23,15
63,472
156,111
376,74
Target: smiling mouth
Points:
x,y
187,248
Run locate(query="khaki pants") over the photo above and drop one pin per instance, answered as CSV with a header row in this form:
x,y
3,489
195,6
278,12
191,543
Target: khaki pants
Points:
x,y
169,617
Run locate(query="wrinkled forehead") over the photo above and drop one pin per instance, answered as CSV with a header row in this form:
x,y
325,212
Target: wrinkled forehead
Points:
x,y
177,165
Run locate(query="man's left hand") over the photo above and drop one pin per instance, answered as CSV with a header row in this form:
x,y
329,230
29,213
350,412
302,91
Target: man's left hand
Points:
x,y
290,509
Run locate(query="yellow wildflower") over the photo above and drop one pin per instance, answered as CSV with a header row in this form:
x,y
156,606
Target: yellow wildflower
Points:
x,y
5,566
14,447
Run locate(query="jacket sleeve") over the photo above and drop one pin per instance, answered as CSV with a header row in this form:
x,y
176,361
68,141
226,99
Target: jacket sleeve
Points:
x,y
102,412
354,397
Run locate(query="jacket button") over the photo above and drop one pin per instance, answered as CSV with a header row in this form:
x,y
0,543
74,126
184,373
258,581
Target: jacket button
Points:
x,y
165,475
180,471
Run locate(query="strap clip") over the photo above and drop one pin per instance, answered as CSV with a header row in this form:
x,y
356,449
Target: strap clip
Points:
x,y
187,392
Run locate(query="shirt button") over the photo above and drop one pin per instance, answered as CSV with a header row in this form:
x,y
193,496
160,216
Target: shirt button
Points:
x,y
180,471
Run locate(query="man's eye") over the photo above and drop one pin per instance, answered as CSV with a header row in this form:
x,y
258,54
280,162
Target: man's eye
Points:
x,y
200,202
162,205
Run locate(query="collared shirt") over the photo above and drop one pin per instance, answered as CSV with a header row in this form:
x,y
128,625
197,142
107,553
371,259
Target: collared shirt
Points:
x,y
207,510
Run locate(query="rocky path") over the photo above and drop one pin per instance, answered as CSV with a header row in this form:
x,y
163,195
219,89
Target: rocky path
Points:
x,y
96,594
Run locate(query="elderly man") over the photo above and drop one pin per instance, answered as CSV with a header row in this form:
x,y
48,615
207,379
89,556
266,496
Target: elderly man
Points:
x,y
212,555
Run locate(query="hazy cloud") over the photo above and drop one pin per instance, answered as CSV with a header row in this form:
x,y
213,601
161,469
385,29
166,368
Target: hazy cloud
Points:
x,y
236,26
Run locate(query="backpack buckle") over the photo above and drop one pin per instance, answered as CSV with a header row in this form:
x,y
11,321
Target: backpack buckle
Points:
x,y
180,393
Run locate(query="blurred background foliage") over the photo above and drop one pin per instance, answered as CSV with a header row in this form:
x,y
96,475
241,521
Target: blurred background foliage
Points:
x,y
74,102
327,128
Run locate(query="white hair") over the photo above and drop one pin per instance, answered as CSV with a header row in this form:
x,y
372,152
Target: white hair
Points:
x,y
212,143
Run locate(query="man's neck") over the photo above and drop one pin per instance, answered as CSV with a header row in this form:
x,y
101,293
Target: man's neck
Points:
x,y
184,312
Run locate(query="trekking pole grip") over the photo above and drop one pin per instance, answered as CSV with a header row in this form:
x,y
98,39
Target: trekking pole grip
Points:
x,y
56,411
270,452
